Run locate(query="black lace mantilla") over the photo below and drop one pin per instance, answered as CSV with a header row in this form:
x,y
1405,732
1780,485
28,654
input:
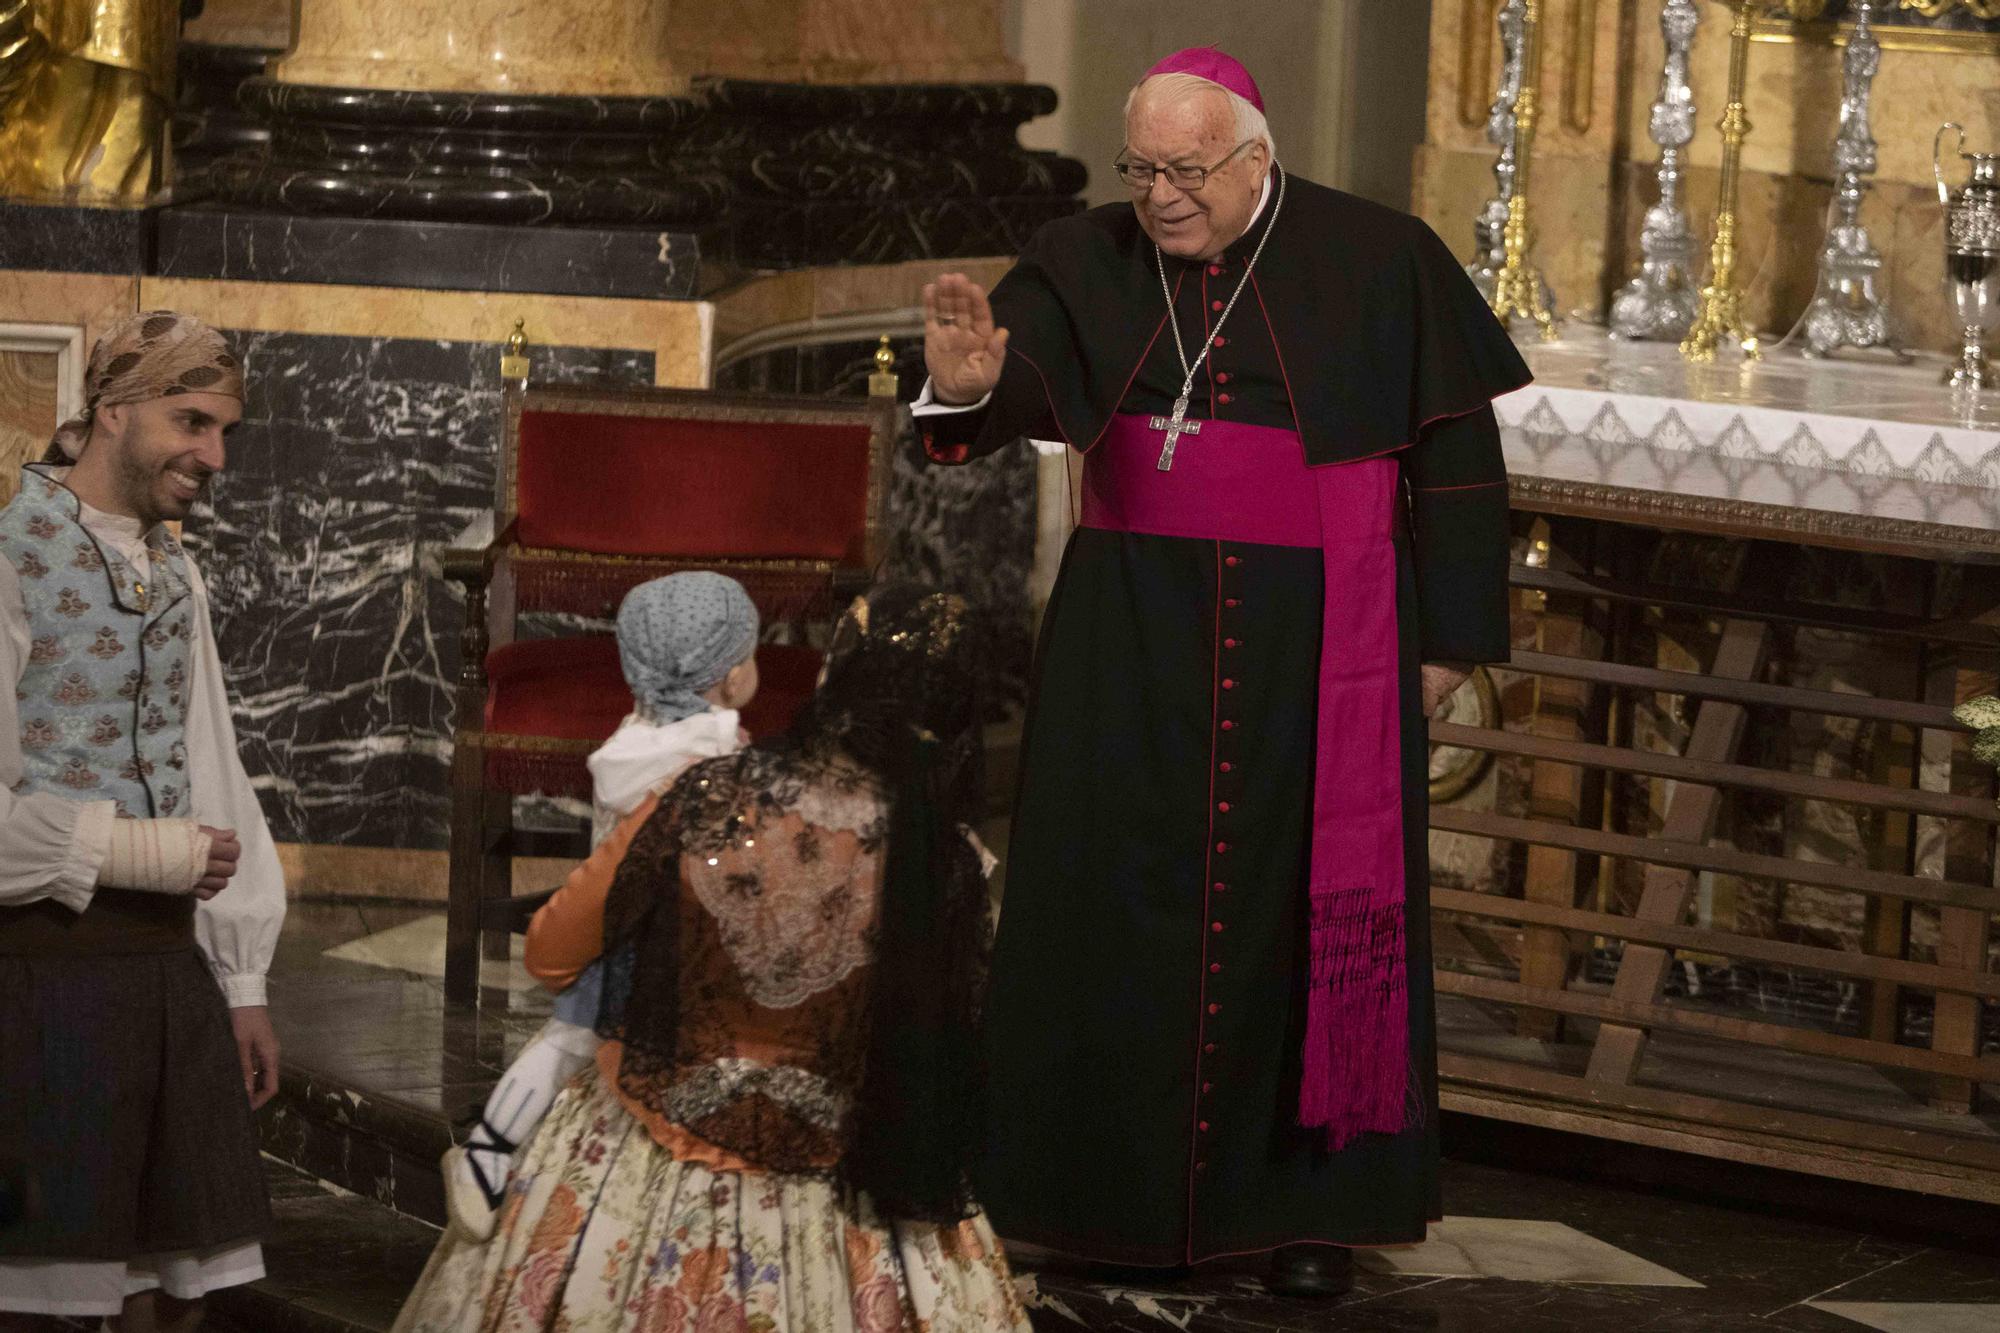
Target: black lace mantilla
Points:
x,y
887,756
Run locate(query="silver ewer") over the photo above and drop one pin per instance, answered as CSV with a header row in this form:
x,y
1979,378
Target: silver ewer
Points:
x,y
1660,302
1971,257
1847,308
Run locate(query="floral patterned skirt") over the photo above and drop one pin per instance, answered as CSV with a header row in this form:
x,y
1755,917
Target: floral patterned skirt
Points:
x,y
604,1229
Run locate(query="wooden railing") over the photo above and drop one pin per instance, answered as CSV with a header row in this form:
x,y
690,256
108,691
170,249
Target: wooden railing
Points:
x,y
1623,1058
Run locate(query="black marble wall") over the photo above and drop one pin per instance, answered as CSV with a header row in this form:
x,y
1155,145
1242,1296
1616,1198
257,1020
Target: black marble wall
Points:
x,y
357,459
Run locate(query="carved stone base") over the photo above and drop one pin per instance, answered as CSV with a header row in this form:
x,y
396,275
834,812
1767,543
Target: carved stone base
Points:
x,y
469,157
772,175
208,124
875,174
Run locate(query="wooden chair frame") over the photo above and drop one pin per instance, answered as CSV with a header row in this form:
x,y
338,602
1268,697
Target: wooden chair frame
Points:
x,y
483,910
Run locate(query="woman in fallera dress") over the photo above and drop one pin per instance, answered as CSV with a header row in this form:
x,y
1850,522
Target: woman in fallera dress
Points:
x,y
776,1131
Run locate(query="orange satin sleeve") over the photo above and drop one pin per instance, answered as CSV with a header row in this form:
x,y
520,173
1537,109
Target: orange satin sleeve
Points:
x,y
567,934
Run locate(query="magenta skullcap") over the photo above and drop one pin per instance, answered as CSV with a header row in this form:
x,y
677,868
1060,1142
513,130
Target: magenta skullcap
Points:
x,y
1206,62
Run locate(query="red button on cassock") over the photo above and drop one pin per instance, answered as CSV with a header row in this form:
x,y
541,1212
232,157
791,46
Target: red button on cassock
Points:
x,y
1233,561
1228,684
1230,643
1201,1166
1221,846
1208,1049
1226,767
1215,305
1213,968
1215,1008
1223,806
1232,603
1208,1087
1221,341
1214,269
1202,1126
1221,887
1215,927
1222,377
1228,726
1223,398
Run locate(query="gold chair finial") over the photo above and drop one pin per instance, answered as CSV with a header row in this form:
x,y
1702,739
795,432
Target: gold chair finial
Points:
x,y
882,384
514,361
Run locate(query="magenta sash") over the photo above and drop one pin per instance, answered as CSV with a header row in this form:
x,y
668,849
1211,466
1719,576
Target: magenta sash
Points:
x,y
1250,484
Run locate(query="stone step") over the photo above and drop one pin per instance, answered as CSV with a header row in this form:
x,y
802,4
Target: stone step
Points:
x,y
384,1150
337,1262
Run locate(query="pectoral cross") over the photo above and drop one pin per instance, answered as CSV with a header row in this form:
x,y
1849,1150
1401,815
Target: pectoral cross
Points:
x,y
1174,426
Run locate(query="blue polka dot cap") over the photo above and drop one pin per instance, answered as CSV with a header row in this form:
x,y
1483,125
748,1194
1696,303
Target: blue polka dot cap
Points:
x,y
679,636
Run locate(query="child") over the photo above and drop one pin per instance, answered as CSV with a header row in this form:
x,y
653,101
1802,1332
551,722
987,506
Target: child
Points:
x,y
688,643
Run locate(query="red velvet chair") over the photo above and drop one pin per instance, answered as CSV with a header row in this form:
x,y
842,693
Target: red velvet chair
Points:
x,y
600,490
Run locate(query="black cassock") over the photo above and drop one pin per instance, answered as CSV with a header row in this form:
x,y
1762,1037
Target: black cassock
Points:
x,y
1144,1091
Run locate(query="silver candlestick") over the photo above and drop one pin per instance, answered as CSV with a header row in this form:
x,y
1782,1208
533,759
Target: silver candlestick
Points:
x,y
1660,302
1847,310
1489,228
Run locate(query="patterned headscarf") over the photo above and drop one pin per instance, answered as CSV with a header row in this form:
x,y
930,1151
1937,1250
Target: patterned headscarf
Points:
x,y
679,636
154,354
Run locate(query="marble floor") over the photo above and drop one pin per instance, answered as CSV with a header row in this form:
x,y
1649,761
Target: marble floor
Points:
x,y
1551,1257
360,1009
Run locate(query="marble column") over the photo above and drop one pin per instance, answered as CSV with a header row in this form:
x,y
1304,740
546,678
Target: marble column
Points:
x,y
560,48
787,132
850,41
559,113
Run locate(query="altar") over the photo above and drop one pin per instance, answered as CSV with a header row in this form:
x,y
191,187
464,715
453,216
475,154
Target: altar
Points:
x,y
1713,860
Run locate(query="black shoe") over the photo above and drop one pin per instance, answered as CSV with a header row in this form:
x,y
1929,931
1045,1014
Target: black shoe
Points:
x,y
1320,1271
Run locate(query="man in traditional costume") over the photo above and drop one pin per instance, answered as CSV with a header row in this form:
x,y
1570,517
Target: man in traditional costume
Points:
x,y
140,894
1212,1024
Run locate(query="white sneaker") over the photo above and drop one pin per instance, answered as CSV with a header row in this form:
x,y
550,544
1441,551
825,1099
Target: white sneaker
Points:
x,y
470,1205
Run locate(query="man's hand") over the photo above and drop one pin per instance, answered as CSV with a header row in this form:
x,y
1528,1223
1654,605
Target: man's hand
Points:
x,y
962,349
224,851
1441,681
257,1052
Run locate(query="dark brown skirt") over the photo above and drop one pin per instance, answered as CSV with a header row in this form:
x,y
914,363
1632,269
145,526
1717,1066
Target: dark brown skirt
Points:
x,y
124,1127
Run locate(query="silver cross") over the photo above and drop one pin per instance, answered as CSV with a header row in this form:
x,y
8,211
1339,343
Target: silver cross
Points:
x,y
1174,427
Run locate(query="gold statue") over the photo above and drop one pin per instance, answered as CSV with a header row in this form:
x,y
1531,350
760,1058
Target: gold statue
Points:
x,y
86,88
1719,318
1517,288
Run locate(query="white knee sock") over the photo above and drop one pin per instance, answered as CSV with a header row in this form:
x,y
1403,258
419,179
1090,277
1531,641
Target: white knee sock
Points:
x,y
524,1093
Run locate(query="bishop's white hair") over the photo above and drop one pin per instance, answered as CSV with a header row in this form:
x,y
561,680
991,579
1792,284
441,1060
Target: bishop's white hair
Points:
x,y
1180,86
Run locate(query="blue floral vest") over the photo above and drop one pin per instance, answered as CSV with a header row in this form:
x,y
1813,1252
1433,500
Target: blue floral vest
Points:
x,y
104,699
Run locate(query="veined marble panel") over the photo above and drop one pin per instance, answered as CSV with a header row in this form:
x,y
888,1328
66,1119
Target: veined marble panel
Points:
x,y
357,457
1861,418
209,241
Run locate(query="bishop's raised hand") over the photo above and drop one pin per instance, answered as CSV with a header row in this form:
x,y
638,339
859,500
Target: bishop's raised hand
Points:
x,y
962,350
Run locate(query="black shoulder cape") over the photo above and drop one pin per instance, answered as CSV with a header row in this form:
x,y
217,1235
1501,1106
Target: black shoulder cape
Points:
x,y
1379,330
